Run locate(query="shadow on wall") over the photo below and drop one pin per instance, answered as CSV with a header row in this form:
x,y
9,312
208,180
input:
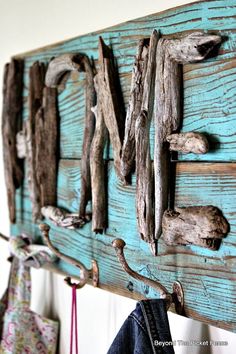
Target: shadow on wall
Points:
x,y
189,335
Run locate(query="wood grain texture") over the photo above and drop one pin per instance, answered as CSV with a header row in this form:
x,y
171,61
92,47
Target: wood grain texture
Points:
x,y
208,277
144,167
56,70
35,102
98,171
11,125
89,126
189,142
46,144
134,106
209,87
110,101
196,225
59,66
170,56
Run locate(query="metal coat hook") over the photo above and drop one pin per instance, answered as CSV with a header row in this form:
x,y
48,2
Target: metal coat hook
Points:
x,y
177,297
85,274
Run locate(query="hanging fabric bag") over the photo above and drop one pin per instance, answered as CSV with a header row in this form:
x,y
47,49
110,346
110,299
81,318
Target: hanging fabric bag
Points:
x,y
22,330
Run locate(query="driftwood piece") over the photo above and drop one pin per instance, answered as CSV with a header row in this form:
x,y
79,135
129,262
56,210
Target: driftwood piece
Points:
x,y
21,144
97,165
144,170
36,85
59,66
203,226
11,124
111,106
41,141
62,218
167,109
189,142
46,127
167,114
56,69
134,107
90,98
192,48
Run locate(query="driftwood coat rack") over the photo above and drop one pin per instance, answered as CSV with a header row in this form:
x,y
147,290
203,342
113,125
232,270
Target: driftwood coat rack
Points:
x,y
125,136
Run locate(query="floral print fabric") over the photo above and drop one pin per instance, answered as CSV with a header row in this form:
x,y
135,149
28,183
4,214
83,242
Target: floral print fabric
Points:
x,y
22,330
32,255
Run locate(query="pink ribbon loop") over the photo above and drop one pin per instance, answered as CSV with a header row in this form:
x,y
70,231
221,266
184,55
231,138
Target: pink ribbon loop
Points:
x,y
74,324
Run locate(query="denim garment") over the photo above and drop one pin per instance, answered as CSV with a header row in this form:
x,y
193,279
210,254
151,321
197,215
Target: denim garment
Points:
x,y
145,331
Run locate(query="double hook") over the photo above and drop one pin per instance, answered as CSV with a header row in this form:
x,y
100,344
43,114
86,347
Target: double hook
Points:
x,y
177,297
85,274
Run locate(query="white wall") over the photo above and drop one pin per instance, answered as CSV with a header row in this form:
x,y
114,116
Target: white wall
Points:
x,y
28,24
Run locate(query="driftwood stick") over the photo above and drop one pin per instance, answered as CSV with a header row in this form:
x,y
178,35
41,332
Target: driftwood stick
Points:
x,y
203,226
11,124
85,191
166,111
134,107
144,171
167,108
111,107
46,126
59,66
62,218
99,202
189,142
36,85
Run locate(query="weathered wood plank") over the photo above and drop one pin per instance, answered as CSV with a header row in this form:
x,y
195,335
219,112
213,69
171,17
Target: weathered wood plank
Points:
x,y
218,127
206,275
209,87
35,102
11,125
204,14
144,168
98,170
90,100
46,157
135,101
110,101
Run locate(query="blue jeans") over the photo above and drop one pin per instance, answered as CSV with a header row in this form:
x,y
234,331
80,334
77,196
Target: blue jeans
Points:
x,y
145,331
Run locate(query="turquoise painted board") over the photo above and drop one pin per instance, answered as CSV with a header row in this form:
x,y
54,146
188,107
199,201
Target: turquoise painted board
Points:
x,y
209,86
208,277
